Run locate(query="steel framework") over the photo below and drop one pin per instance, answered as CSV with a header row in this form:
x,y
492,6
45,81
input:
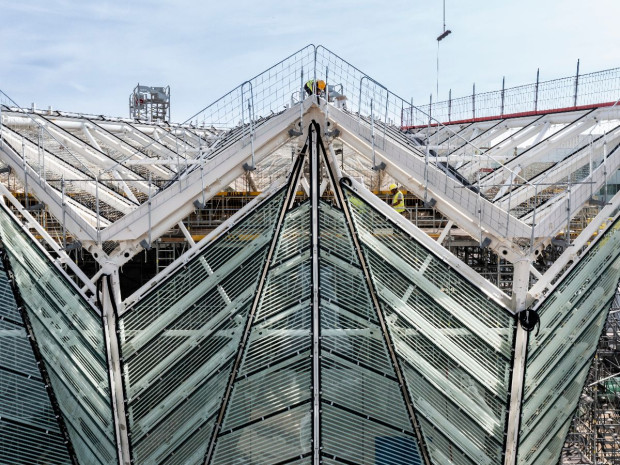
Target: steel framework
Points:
x,y
231,289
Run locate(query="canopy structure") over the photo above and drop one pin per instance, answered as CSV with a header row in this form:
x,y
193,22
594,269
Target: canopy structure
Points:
x,y
312,323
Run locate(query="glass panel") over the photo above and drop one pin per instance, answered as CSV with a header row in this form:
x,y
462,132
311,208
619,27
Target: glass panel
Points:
x,y
294,235
353,387
442,449
353,438
69,335
29,431
275,376
364,416
454,342
269,390
179,341
559,355
172,436
275,439
193,449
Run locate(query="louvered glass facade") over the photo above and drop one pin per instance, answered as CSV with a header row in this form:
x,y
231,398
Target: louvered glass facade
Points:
x,y
220,363
454,343
69,335
572,318
178,342
29,432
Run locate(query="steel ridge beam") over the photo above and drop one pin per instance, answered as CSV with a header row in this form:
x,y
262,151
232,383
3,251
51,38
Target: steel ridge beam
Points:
x,y
314,138
445,205
408,168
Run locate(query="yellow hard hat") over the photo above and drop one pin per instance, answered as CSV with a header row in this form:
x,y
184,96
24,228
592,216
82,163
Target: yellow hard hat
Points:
x,y
321,85
393,186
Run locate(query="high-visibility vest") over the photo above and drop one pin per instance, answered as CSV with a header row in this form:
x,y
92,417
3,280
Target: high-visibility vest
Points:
x,y
356,202
398,202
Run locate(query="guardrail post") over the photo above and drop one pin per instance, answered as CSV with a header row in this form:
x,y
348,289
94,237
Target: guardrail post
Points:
x,y
64,213
576,84
26,202
473,101
503,94
536,91
1,133
450,105
97,208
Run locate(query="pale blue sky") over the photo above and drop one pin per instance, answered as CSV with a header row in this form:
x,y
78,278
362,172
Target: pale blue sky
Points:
x,y
87,56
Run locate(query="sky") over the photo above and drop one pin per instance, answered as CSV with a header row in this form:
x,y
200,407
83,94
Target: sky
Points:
x,y
87,56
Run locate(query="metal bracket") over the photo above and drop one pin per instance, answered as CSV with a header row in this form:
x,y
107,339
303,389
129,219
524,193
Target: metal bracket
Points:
x,y
529,320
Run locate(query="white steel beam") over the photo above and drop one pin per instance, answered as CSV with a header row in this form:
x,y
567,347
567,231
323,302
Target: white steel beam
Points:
x,y
170,206
51,243
505,148
115,376
126,151
469,210
78,226
574,199
519,289
581,124
63,169
558,172
97,157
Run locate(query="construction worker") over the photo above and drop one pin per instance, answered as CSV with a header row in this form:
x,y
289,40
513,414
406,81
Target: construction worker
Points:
x,y
398,199
311,88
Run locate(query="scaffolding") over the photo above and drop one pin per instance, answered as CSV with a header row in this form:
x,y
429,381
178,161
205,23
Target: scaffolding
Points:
x,y
523,200
148,103
593,438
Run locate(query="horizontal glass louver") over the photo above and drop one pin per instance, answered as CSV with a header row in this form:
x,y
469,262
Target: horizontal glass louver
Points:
x,y
69,336
29,432
454,343
572,318
179,341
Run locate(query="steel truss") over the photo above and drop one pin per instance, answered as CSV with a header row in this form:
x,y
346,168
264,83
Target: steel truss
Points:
x,y
524,213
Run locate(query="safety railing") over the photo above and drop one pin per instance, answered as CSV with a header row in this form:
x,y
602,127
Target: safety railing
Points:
x,y
601,87
377,110
261,96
